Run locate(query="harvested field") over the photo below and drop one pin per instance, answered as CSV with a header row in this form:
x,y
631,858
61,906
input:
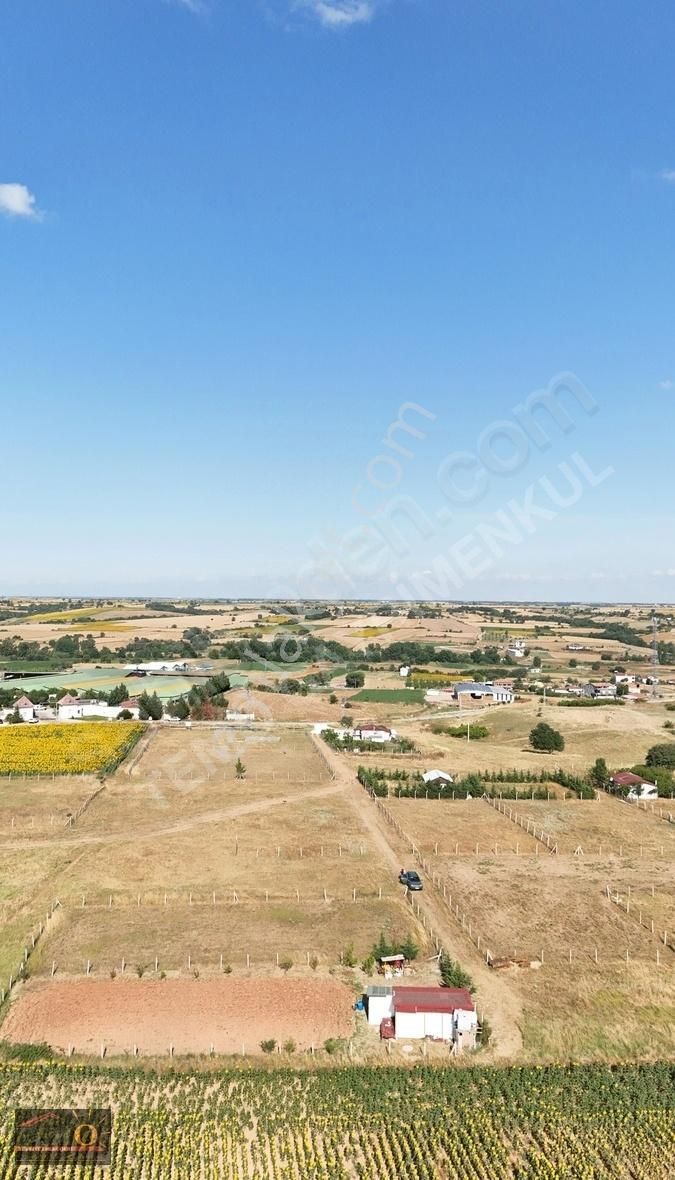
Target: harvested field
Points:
x,y
600,827
459,827
275,706
191,1015
183,773
251,933
548,904
32,806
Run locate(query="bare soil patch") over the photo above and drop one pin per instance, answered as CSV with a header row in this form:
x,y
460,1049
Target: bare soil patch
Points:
x,y
191,1015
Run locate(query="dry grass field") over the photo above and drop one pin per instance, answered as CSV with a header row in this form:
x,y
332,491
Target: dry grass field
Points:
x,y
603,981
622,735
179,860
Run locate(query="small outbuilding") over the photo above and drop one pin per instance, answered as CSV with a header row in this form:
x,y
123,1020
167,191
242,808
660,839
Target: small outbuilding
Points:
x,y
434,776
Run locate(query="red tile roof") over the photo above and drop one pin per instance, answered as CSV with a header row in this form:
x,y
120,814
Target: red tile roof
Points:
x,y
432,999
24,703
626,778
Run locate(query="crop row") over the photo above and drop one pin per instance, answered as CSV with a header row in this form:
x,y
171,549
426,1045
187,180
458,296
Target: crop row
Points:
x,y
550,1123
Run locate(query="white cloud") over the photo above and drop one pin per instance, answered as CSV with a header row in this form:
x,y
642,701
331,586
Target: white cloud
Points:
x,y
667,174
667,384
18,201
338,14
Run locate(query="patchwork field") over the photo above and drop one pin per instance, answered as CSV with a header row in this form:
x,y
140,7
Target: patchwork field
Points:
x,y
180,867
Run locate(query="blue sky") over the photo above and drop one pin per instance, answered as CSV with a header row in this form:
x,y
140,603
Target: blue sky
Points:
x,y
237,236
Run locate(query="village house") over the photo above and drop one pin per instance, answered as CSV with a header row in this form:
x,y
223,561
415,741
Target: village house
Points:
x,y
413,1013
602,692
72,708
370,731
25,708
516,649
634,786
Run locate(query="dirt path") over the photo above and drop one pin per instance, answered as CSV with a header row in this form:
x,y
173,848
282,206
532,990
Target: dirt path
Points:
x,y
501,1004
181,825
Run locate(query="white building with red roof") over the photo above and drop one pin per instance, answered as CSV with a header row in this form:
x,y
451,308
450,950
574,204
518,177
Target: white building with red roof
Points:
x,y
439,1013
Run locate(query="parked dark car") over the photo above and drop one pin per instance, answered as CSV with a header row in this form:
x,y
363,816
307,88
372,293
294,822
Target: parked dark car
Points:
x,y
411,879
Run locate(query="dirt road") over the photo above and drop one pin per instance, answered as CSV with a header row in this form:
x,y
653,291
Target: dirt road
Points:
x,y
499,1002
180,825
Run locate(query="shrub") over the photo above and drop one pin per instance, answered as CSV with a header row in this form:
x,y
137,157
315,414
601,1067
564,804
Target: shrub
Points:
x,y
268,1046
23,1052
333,1045
289,1046
286,964
348,956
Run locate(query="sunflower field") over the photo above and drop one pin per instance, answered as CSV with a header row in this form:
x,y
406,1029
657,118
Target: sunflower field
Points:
x,y
85,747
420,1123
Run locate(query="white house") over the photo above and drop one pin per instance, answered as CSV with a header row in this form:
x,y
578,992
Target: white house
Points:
x,y
516,649
71,709
371,732
432,776
603,692
404,670
638,787
623,678
442,1013
234,715
25,707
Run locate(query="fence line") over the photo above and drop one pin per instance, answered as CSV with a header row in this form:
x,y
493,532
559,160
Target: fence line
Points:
x,y
468,928
83,806
34,937
638,915
542,836
649,808
229,897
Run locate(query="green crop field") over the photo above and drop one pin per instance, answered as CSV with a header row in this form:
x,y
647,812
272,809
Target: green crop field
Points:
x,y
422,1123
391,696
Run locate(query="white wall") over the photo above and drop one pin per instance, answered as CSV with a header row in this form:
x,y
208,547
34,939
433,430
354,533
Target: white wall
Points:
x,y
379,1007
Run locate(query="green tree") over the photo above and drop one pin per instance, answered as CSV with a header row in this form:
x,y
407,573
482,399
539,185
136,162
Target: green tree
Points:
x,y
544,737
178,708
117,695
599,775
355,680
452,975
239,769
150,707
661,755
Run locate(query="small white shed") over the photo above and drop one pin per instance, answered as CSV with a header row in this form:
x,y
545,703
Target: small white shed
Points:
x,y
379,1003
432,776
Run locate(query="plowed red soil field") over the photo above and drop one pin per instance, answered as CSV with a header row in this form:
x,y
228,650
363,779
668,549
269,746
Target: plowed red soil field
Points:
x,y
191,1015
